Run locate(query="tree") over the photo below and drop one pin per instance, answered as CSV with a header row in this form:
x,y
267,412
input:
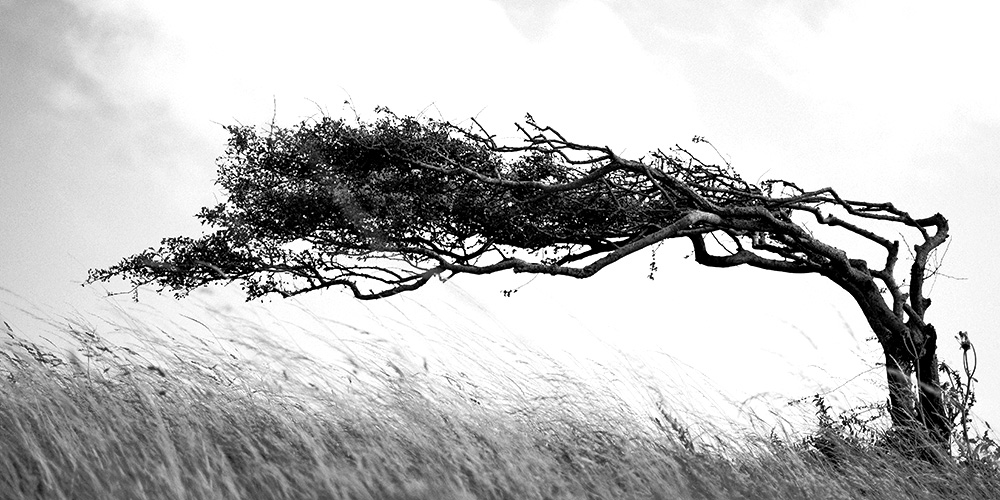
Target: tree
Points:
x,y
383,207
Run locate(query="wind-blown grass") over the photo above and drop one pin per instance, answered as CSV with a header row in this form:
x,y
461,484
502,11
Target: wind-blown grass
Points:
x,y
164,418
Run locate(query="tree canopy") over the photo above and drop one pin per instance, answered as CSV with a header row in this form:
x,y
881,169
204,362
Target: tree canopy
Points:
x,y
383,207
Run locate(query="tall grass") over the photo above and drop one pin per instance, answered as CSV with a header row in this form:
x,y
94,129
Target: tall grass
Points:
x,y
237,414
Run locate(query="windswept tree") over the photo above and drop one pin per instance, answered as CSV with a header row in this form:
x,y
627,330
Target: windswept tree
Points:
x,y
383,207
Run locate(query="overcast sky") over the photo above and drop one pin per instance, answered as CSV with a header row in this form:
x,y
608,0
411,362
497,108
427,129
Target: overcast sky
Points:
x,y
110,116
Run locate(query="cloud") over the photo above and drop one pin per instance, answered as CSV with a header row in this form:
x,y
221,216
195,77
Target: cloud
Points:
x,y
230,60
596,72
91,155
888,64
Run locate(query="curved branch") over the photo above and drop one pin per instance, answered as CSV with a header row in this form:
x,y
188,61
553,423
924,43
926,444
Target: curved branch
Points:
x,y
746,257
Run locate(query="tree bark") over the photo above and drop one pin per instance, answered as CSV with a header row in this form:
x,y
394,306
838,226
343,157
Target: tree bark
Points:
x,y
901,407
932,410
921,410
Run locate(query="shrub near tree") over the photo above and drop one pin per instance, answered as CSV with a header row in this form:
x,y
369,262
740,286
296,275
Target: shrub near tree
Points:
x,y
382,207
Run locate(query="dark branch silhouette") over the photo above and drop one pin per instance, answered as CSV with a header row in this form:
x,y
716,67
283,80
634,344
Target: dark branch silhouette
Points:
x,y
381,208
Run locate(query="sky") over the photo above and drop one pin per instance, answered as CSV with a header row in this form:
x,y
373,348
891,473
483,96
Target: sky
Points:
x,y
111,115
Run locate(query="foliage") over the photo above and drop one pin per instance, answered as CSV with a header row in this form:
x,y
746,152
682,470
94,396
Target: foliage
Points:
x,y
307,206
979,450
398,189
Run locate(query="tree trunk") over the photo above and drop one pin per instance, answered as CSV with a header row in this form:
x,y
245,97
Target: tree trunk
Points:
x,y
932,410
907,347
901,407
920,418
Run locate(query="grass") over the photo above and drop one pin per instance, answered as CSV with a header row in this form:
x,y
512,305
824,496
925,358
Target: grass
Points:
x,y
168,418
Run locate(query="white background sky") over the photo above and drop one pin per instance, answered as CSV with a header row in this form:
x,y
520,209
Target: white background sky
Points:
x,y
110,114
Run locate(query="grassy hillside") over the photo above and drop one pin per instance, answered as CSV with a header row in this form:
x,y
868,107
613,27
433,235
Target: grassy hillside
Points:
x,y
162,419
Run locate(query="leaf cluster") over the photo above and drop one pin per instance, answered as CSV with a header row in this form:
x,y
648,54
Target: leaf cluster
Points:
x,y
380,207
309,198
